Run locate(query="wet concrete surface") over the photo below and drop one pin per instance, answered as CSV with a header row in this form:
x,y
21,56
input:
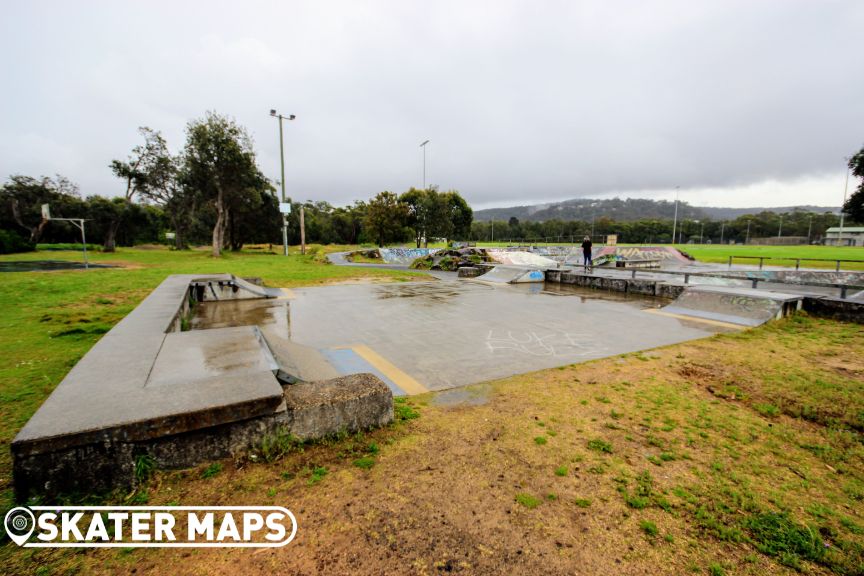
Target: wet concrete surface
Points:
x,y
438,335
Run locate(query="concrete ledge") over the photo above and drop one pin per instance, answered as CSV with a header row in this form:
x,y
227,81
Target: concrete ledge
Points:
x,y
469,272
350,403
179,397
835,308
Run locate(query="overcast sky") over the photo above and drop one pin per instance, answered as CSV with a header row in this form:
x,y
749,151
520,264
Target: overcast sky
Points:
x,y
740,103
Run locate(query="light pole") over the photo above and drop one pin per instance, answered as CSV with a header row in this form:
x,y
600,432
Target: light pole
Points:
x,y
701,230
722,229
282,161
842,213
423,146
675,221
593,213
747,238
780,229
809,228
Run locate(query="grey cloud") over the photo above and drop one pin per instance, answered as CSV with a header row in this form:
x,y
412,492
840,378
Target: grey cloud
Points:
x,y
523,101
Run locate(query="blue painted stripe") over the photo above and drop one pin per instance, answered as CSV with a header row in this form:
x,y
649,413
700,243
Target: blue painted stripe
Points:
x,y
346,361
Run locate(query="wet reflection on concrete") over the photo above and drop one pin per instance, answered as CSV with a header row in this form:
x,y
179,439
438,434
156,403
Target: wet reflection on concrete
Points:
x,y
452,333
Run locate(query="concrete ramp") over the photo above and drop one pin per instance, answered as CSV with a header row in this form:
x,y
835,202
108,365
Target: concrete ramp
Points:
x,y
257,290
512,275
741,306
520,258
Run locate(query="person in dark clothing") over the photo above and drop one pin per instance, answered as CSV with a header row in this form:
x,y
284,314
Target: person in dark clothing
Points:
x,y
586,252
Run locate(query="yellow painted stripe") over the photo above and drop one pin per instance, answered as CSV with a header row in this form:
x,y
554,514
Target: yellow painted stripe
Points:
x,y
397,376
696,319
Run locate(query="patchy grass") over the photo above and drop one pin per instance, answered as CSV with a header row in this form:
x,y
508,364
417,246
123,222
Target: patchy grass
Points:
x,y
528,501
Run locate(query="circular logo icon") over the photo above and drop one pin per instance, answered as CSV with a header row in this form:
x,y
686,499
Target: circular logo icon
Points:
x,y
19,524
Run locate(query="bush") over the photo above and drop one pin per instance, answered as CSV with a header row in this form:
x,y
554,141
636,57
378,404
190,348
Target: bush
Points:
x,y
11,242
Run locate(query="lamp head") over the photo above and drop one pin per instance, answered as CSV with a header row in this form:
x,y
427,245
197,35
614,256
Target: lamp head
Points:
x,y
291,117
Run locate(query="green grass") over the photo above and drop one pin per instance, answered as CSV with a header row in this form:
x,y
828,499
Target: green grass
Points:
x,y
649,528
600,446
212,470
528,501
365,463
718,253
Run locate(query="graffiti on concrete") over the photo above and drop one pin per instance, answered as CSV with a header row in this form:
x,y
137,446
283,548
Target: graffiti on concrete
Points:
x,y
551,344
404,255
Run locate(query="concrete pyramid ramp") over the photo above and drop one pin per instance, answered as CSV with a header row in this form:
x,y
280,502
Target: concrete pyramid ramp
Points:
x,y
512,275
741,306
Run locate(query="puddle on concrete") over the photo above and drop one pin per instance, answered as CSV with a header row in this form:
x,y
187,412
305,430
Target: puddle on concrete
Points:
x,y
271,315
46,265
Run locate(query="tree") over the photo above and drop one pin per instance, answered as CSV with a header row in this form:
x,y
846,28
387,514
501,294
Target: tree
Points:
x,y
459,214
162,183
135,171
419,207
220,166
22,198
854,206
385,218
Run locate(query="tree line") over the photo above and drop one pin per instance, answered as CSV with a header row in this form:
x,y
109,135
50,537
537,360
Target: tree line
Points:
x,y
766,224
212,192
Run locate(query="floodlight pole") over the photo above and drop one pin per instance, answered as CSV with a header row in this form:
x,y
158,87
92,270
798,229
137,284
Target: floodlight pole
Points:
x,y
423,146
282,162
675,221
843,206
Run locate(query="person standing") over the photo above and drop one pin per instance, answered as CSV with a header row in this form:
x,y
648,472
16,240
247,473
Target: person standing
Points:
x,y
586,252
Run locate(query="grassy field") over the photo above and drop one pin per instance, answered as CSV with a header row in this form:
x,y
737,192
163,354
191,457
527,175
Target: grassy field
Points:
x,y
738,454
718,253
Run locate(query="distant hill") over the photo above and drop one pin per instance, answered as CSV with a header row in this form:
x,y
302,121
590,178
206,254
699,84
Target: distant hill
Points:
x,y
627,210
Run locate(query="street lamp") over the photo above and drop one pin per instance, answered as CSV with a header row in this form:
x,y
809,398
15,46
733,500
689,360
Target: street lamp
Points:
x,y
780,229
842,212
423,146
593,212
722,229
675,221
274,114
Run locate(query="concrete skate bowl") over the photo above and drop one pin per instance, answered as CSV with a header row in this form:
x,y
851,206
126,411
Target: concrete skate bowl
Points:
x,y
738,306
404,256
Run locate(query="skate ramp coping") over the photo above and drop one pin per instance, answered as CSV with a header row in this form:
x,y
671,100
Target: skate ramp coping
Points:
x,y
512,275
741,306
